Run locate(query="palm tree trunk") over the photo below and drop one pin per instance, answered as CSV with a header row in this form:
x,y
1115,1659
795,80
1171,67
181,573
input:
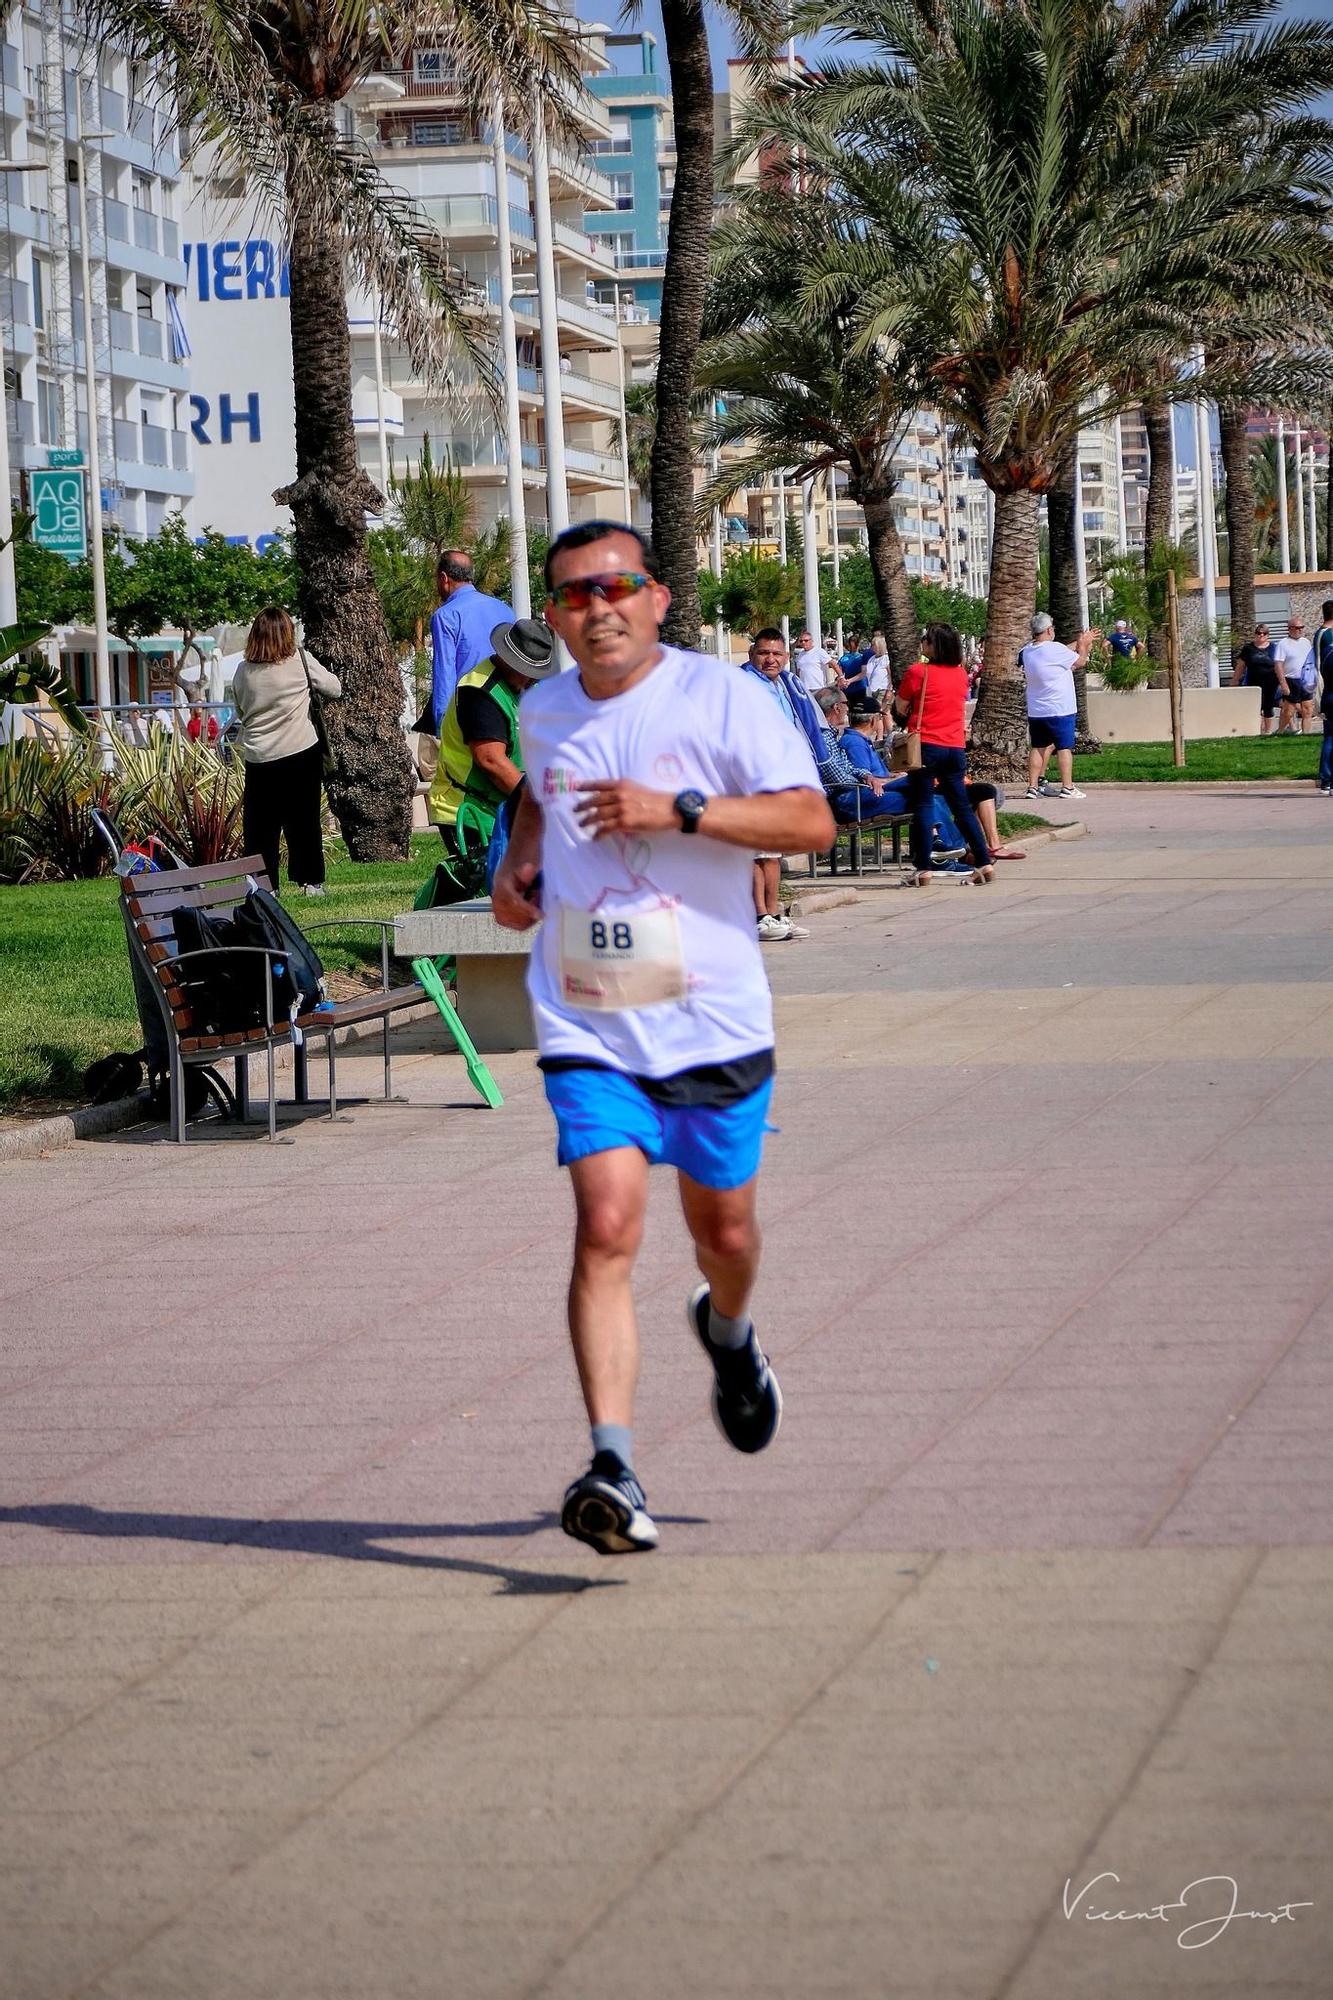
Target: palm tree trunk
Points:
x,y
893,592
684,287
999,726
371,790
1240,521
1158,423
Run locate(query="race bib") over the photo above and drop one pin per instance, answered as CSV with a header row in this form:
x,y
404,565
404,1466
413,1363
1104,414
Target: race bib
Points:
x,y
612,960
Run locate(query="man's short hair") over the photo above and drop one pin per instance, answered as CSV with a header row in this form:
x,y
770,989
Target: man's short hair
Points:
x,y
584,532
456,564
1327,611
766,632
827,699
1042,622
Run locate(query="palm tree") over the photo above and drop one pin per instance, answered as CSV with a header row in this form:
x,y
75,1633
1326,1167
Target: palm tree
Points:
x,y
792,391
685,285
261,81
640,424
1050,195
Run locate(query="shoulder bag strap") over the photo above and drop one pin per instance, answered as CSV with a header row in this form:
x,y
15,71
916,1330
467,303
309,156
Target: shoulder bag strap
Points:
x,y
921,705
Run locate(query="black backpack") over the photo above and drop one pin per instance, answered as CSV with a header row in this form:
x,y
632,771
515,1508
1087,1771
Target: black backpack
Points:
x,y
227,996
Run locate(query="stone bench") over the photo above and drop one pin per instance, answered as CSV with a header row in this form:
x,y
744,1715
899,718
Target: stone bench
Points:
x,y
490,981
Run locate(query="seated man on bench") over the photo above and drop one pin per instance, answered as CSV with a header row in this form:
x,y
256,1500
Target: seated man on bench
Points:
x,y
853,771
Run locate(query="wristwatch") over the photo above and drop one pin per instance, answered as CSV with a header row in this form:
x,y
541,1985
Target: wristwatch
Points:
x,y
689,809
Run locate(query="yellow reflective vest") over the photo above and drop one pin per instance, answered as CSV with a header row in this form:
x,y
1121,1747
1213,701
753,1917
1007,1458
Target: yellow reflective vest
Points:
x,y
458,776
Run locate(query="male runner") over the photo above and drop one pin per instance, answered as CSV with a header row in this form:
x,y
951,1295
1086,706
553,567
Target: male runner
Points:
x,y
654,775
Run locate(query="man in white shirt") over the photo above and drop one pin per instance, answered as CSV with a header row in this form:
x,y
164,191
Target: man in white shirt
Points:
x,y
1048,669
653,778
811,665
1296,676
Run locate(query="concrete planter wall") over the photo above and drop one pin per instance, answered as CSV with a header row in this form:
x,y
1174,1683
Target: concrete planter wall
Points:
x,y
1145,715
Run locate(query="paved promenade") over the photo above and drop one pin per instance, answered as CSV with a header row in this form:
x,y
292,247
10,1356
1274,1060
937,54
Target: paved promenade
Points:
x,y
307,1698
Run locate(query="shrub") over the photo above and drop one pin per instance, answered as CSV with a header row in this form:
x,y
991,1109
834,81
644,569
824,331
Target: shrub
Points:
x,y
182,793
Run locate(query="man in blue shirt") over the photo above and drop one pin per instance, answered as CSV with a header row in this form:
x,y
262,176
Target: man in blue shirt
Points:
x,y
460,631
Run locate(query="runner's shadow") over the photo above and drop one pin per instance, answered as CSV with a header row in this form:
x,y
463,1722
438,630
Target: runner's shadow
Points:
x,y
351,1541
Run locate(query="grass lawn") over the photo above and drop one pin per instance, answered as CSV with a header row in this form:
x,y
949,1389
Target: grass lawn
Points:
x,y
65,991
1214,759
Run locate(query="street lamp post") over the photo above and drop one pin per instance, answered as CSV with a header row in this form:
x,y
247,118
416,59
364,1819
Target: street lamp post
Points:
x,y
1314,512
557,485
810,560
380,429
1080,544
624,413
1206,528
520,589
8,589
103,651
782,548
1299,469
837,552
1283,528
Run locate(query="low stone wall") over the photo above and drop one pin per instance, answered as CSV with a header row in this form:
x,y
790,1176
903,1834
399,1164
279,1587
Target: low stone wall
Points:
x,y
1275,598
1145,715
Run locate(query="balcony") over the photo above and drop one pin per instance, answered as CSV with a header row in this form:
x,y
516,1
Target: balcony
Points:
x,y
589,249
122,331
141,123
579,388
145,229
412,84
180,451
171,238
641,260
15,302
116,221
127,441
150,336
595,465
585,316
23,423
156,445
11,71
113,110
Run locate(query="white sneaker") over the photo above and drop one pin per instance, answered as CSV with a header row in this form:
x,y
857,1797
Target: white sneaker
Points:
x,y
313,889
796,930
1035,792
1070,792
771,929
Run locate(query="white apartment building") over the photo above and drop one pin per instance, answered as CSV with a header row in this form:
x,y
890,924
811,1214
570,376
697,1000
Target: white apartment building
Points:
x,y
141,409
427,143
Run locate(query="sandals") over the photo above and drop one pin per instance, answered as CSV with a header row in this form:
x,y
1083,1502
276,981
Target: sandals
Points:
x,y
1008,854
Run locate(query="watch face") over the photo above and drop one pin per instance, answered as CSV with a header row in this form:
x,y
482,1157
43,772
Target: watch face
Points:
x,y
690,806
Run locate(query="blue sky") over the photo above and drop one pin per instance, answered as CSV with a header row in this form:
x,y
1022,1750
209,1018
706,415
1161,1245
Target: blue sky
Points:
x,y
722,45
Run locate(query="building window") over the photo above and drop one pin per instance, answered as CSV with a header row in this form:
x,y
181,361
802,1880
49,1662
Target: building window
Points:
x,y
39,284
438,132
48,411
666,183
619,141
141,192
622,187
143,299
432,66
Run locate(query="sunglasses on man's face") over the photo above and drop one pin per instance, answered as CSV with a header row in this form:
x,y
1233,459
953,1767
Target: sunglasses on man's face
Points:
x,y
613,588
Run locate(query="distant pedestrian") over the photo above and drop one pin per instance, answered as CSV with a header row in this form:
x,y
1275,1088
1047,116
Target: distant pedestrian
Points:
x,y
1048,670
284,765
1323,644
460,631
1296,676
1124,640
932,698
201,728
1256,666
810,665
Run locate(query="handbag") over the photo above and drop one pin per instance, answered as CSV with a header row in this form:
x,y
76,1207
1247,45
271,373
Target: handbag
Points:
x,y
911,751
317,719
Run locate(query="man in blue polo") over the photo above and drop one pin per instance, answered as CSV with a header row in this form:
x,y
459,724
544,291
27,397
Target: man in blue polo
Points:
x,y
460,631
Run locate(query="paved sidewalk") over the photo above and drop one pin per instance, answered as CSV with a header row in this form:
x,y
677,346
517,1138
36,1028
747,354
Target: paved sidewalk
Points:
x,y
308,1699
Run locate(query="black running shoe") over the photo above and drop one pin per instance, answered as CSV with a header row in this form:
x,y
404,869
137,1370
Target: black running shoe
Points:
x,y
747,1402
606,1509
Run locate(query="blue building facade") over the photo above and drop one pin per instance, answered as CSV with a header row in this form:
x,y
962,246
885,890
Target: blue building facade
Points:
x,y
639,159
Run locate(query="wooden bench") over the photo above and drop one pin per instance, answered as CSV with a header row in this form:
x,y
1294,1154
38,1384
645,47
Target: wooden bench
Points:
x,y
147,903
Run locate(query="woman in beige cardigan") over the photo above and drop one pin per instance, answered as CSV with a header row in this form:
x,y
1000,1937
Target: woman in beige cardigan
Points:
x,y
280,749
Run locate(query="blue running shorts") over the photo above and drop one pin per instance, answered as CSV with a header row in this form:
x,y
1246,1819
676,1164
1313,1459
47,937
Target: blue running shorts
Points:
x,y
717,1145
1053,731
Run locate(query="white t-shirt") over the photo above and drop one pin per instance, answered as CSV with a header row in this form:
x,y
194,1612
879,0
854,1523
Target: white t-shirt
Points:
x,y
1047,668
1296,658
876,671
812,668
689,725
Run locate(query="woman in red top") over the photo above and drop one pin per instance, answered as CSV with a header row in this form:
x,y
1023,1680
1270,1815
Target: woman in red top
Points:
x,y
931,697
